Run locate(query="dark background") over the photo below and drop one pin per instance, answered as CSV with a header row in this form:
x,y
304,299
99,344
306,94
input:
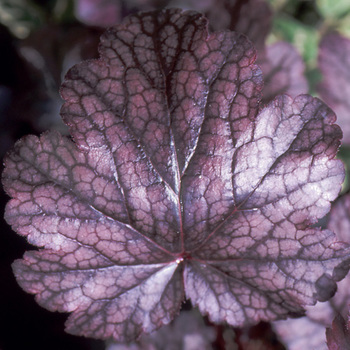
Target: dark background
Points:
x,y
29,103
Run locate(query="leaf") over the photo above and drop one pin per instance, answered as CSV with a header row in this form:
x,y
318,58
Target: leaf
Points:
x,y
283,70
98,13
334,63
105,13
339,218
281,64
311,329
338,337
175,186
302,333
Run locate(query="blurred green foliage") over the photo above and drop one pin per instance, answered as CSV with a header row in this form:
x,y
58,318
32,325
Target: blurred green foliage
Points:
x,y
22,17
330,9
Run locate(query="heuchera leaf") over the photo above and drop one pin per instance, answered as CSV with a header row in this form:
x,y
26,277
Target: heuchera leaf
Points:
x,y
105,13
309,332
176,187
338,337
334,63
302,333
339,218
98,12
283,71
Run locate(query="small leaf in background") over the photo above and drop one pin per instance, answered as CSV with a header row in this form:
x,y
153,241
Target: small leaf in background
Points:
x,y
302,333
304,38
106,13
176,185
339,218
283,71
334,63
338,336
309,332
102,13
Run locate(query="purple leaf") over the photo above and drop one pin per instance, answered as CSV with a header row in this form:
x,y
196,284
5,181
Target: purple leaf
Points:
x,y
338,337
304,332
334,62
98,13
339,218
105,13
311,329
283,70
175,186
